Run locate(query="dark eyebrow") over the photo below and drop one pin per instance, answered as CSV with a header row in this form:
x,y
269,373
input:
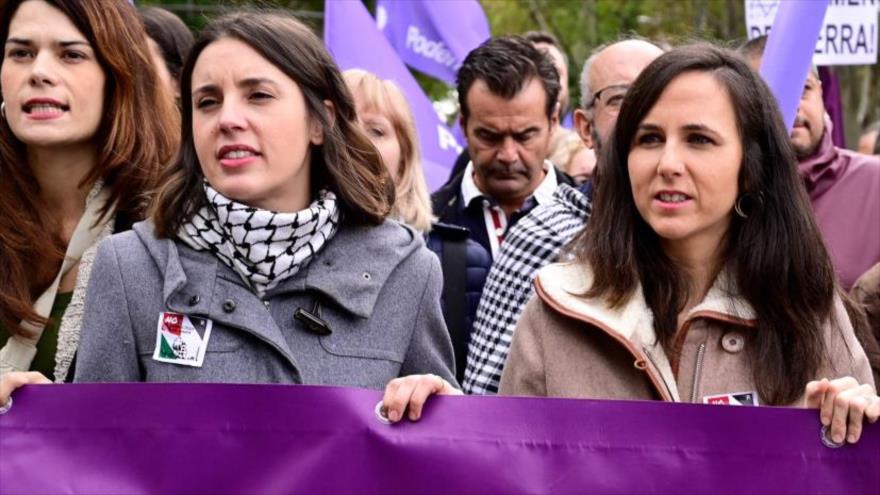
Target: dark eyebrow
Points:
x,y
244,83
648,127
63,44
698,128
19,41
487,130
527,130
256,81
207,88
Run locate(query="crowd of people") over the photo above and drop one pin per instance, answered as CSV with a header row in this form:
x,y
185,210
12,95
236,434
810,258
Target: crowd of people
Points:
x,y
234,208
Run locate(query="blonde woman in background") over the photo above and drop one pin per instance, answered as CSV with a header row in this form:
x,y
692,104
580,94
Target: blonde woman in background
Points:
x,y
387,119
573,157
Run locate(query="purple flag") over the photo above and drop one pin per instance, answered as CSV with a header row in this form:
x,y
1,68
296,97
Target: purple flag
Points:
x,y
433,37
789,52
192,438
355,41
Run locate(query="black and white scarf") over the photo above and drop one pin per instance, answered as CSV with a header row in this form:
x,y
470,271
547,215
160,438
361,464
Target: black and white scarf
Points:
x,y
263,247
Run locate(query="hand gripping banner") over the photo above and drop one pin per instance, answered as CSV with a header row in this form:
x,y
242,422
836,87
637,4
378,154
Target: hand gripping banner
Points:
x,y
267,439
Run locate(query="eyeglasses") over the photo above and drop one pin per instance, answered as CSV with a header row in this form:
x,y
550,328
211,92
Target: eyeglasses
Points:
x,y
613,96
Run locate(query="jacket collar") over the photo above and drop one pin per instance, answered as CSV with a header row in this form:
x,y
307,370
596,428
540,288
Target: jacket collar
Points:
x,y
167,259
577,200
565,283
562,286
195,282
351,269
543,193
821,168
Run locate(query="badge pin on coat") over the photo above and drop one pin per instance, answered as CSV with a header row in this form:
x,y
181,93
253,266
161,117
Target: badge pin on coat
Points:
x,y
182,339
736,399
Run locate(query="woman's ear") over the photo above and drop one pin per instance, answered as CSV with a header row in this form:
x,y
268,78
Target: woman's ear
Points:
x,y
317,131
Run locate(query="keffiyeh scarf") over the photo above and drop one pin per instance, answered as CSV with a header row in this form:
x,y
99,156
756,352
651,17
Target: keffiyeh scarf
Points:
x,y
263,247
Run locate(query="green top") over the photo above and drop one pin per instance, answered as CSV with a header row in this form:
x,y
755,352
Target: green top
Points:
x,y
44,361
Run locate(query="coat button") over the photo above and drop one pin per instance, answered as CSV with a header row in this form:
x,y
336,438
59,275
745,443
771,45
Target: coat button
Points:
x,y
229,306
194,300
733,342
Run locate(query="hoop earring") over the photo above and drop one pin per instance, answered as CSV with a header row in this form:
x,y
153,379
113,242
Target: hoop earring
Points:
x,y
3,109
737,207
756,200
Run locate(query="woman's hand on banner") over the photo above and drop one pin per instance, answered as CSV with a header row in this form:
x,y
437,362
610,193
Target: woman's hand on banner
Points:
x,y
15,379
843,405
408,394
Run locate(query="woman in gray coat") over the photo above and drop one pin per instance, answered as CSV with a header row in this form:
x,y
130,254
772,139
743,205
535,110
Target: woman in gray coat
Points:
x,y
267,258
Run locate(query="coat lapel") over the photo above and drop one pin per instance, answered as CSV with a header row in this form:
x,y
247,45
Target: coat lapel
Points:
x,y
197,283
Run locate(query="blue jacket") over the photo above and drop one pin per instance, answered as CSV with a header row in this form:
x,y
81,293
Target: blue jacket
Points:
x,y
462,283
461,227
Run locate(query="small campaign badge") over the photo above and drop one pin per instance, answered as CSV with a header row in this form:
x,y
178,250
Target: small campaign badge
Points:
x,y
182,339
737,399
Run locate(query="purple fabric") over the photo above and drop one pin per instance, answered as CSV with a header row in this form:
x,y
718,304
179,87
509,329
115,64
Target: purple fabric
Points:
x,y
833,104
354,41
844,188
187,438
789,52
433,37
568,120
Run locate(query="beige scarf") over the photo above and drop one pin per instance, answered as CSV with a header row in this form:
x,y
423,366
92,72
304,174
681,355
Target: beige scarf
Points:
x,y
20,349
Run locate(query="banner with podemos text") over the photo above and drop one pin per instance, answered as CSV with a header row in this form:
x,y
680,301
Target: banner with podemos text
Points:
x,y
273,439
433,37
355,42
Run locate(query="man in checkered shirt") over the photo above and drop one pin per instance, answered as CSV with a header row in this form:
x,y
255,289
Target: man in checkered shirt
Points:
x,y
539,237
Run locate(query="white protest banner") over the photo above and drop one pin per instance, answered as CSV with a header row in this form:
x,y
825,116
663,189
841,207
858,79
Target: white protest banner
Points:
x,y
849,35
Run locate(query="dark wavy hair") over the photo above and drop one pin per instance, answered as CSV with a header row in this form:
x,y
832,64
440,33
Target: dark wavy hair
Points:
x,y
131,150
506,64
347,163
776,255
170,34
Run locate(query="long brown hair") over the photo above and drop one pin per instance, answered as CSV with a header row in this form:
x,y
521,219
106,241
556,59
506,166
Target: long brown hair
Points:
x,y
136,136
347,163
776,255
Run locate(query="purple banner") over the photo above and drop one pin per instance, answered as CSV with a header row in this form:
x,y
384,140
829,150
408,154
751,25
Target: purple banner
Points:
x,y
433,37
188,438
789,52
355,41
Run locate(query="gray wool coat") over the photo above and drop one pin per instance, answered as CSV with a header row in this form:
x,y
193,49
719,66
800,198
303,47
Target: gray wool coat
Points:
x,y
377,289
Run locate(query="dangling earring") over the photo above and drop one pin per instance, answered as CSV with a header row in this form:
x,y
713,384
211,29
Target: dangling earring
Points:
x,y
3,109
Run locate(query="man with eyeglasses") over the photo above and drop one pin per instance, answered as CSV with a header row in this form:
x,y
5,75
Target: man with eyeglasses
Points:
x,y
539,236
606,77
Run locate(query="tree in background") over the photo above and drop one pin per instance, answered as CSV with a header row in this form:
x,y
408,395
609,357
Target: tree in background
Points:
x,y
581,25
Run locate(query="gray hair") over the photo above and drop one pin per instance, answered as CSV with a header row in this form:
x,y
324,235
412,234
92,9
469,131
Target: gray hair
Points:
x,y
586,90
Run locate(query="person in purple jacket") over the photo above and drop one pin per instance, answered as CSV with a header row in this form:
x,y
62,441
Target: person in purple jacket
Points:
x,y
843,185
